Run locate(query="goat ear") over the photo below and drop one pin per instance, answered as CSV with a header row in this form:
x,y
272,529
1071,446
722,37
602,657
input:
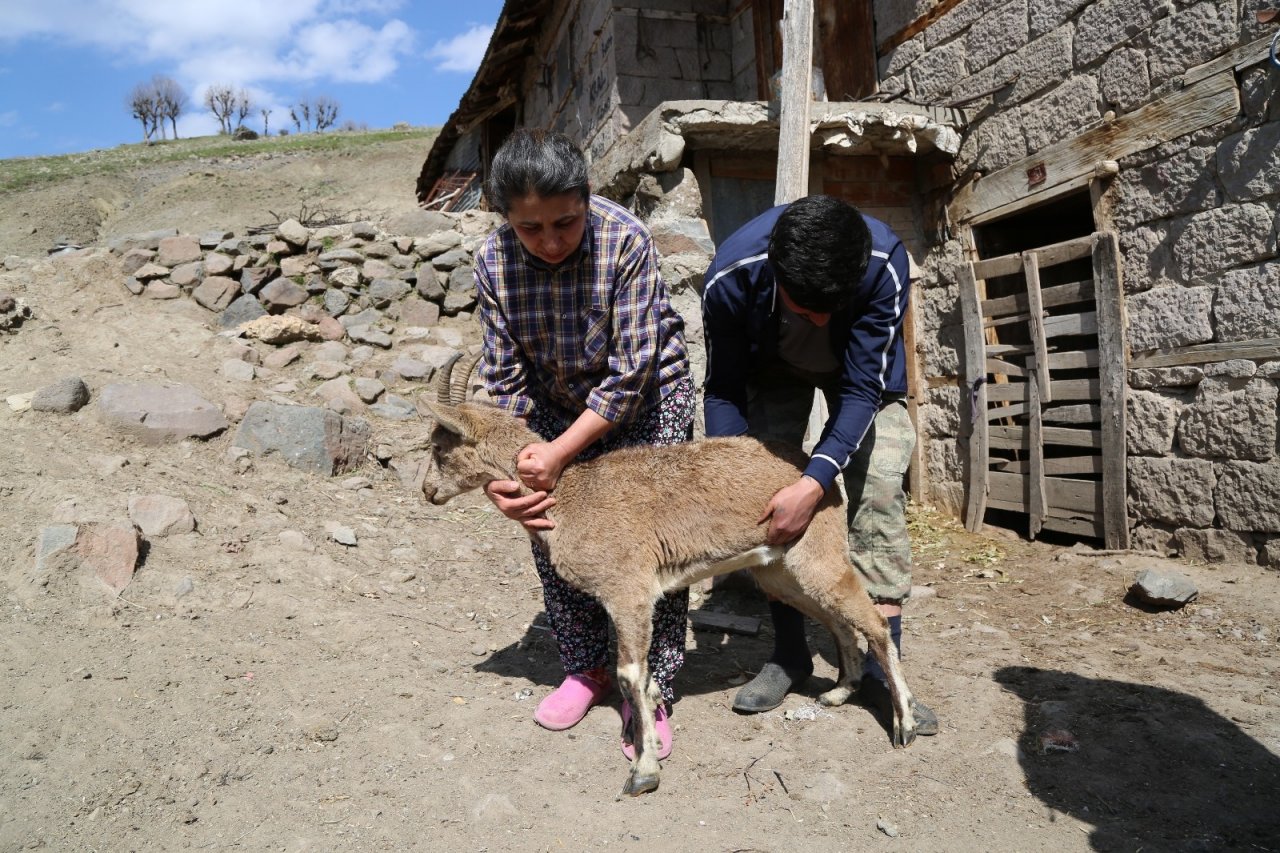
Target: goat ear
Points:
x,y
446,416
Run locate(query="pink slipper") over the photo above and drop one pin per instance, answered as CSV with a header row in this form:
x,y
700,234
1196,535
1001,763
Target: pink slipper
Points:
x,y
565,706
663,727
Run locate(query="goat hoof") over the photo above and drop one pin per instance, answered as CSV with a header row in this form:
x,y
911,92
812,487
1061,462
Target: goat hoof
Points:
x,y
639,783
903,737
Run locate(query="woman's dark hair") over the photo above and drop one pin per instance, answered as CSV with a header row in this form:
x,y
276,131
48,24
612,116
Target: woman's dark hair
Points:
x,y
819,250
538,162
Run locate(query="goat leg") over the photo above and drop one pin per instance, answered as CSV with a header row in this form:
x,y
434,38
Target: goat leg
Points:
x,y
634,682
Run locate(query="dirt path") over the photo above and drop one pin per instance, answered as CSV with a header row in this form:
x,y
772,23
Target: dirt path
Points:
x,y
253,691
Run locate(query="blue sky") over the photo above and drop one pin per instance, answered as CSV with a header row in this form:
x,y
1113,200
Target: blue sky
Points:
x,y
68,66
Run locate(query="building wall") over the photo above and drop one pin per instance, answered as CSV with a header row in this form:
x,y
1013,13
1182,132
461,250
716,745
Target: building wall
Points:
x,y
610,62
1197,222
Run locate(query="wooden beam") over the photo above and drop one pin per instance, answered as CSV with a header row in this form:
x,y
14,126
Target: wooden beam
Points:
x,y
1262,349
1019,437
793,121
1080,413
1035,199
1050,297
917,473
975,387
1067,250
1207,102
1084,323
1054,466
1112,380
1074,526
1074,360
1241,57
1063,389
1043,391
1035,456
1064,495
995,365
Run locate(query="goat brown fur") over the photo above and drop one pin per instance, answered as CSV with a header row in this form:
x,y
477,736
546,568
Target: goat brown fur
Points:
x,y
636,523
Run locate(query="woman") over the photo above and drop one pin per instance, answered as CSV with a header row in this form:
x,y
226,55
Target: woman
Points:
x,y
581,340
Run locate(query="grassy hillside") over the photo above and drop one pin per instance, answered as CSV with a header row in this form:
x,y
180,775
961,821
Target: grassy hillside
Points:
x,y
26,172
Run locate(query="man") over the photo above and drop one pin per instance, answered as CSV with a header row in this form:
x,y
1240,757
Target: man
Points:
x,y
812,295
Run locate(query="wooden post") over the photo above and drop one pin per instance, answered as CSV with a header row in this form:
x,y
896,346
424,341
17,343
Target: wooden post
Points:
x,y
793,121
975,376
1112,380
1035,307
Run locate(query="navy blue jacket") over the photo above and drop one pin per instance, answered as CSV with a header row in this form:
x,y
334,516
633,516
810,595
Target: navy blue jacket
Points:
x,y
740,318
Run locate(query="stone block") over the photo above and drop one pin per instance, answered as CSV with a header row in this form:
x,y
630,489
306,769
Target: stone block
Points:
x,y
1041,64
1183,183
1191,37
683,236
336,301
1248,496
451,259
1231,419
1173,491
1152,537
462,281
419,312
1215,546
375,269
1147,259
1046,15
162,290
216,292
174,251
383,291
1235,368
955,22
136,259
1269,554
1150,421
347,277
1107,23
1061,113
244,309
305,437
1223,238
297,265
186,275
1124,80
937,72
1249,163
1170,317
1248,304
253,278
294,233
1163,587
996,34
150,272
437,243
1166,377
1000,141
159,413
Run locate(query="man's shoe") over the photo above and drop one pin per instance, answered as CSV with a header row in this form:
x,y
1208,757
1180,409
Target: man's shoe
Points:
x,y
874,693
770,687
565,706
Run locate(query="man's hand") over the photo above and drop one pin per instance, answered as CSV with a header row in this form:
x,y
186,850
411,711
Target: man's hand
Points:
x,y
539,466
529,510
790,510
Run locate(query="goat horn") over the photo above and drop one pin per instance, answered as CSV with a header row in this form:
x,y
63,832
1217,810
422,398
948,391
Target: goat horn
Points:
x,y
458,381
441,385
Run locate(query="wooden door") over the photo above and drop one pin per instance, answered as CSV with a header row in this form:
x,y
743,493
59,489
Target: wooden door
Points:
x,y
1047,412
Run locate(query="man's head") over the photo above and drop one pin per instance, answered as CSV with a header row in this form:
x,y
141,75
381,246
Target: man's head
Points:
x,y
535,163
819,250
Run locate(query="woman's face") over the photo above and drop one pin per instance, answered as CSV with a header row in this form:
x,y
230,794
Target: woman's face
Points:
x,y
550,227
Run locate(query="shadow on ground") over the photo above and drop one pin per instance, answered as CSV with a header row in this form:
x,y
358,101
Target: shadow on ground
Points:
x,y
1151,769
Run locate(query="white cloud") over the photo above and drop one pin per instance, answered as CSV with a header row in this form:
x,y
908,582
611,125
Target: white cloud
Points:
x,y
56,107
9,119
463,52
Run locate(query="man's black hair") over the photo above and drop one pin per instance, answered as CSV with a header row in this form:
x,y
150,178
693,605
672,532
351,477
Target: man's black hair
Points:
x,y
819,250
538,162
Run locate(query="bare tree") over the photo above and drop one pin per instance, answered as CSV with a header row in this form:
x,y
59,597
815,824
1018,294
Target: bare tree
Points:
x,y
243,106
221,101
293,114
171,100
326,112
142,106
304,107
266,119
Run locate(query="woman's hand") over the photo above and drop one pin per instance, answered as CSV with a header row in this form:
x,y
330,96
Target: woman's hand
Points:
x,y
539,465
790,510
529,510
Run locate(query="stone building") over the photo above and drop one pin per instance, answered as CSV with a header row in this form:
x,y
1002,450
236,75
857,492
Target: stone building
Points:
x,y
1088,189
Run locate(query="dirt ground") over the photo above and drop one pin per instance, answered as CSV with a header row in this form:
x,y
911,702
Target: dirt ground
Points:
x,y
255,692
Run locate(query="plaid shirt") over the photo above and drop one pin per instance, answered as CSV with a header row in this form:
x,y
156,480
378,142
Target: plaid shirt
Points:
x,y
596,332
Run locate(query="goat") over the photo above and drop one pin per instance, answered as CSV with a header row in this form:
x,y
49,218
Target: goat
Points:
x,y
635,523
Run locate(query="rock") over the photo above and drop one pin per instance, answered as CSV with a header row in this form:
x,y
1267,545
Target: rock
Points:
x,y
283,357
395,408
306,437
136,259
238,369
161,515
182,249
216,292
211,239
253,278
243,310
297,265
1163,588
159,413
452,259
340,533
330,351
110,551
369,390
383,291
54,539
281,329
336,302
294,233
887,828
216,263
412,369
419,223
437,243
369,335
187,275
162,290
280,294
63,397
328,369
295,540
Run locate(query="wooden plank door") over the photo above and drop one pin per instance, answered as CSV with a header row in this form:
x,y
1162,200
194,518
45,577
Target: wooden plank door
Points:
x,y
1045,372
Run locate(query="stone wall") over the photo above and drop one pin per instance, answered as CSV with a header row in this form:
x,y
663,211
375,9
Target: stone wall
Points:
x,y
1197,221
610,63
